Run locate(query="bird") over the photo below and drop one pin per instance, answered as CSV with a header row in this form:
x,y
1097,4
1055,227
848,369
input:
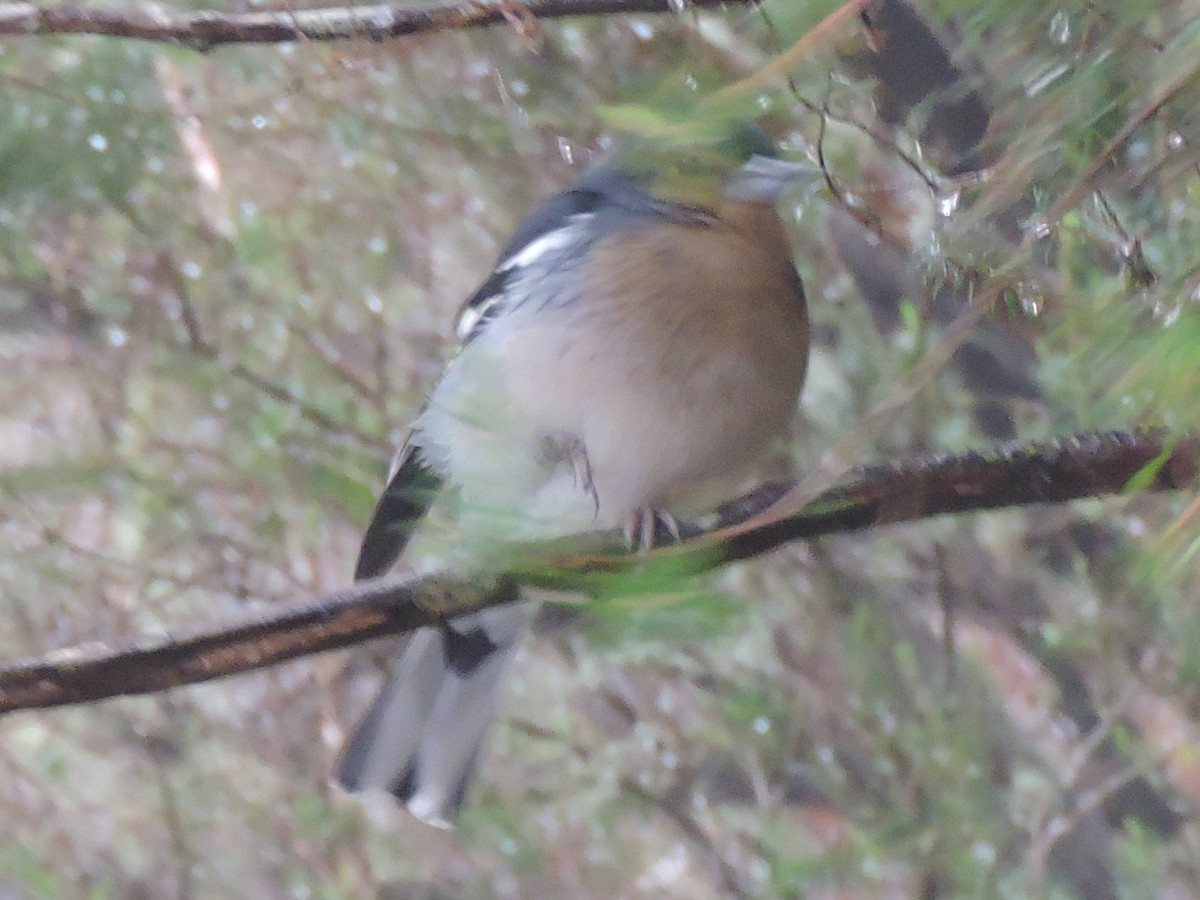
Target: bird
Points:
x,y
641,342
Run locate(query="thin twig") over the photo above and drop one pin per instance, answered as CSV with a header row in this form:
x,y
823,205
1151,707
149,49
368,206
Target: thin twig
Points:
x,y
207,29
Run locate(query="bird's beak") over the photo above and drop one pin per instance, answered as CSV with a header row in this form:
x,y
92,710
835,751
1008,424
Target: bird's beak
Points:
x,y
763,178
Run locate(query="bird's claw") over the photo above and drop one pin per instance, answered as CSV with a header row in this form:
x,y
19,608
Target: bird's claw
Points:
x,y
570,449
641,528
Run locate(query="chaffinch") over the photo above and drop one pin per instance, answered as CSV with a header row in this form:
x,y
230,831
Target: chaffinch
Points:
x,y
642,338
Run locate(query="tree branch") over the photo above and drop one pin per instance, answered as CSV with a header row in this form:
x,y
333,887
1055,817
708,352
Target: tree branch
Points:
x,y
1086,465
205,30
94,671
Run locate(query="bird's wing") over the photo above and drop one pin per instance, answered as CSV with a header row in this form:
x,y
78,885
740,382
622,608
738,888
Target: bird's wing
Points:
x,y
409,494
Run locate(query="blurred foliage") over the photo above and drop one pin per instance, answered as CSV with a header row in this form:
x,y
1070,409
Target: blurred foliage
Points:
x,y
226,281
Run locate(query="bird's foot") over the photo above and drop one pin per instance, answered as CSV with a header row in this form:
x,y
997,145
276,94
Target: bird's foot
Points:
x,y
567,448
645,527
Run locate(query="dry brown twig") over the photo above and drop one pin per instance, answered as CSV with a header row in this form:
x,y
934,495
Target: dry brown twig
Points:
x,y
208,29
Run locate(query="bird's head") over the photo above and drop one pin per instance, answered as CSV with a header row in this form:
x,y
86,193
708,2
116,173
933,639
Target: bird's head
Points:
x,y
702,164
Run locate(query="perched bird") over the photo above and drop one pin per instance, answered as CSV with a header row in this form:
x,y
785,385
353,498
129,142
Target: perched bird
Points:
x,y
641,341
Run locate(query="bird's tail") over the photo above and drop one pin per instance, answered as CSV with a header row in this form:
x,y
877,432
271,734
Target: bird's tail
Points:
x,y
420,739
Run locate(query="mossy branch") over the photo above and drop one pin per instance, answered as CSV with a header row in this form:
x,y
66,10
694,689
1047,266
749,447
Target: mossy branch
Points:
x,y
1085,465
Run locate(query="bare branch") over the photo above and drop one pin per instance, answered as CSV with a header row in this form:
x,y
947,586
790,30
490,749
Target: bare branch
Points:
x,y
366,610
1086,465
205,30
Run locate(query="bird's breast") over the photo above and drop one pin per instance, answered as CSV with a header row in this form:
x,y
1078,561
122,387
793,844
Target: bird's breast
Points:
x,y
672,369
